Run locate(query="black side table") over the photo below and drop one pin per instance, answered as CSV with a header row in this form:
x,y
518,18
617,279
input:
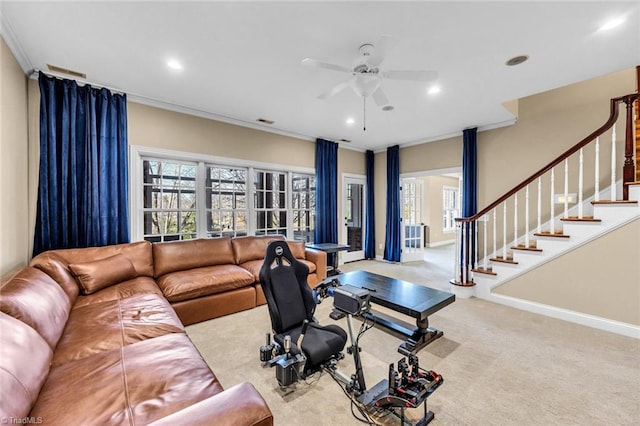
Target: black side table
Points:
x,y
332,252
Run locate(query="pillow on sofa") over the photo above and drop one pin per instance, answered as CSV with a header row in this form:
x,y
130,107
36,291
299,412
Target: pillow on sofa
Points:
x,y
96,275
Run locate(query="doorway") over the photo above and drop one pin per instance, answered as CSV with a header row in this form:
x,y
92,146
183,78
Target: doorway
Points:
x,y
412,229
353,202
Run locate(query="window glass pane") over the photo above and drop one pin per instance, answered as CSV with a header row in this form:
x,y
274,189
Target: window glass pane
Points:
x,y
241,201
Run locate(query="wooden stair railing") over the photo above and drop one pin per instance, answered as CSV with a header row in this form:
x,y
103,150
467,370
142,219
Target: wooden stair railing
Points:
x,y
468,232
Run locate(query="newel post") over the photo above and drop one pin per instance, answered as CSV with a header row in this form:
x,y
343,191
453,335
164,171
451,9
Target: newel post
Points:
x,y
628,170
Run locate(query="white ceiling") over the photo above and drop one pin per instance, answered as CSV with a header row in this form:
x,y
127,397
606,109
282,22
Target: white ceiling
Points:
x,y
242,59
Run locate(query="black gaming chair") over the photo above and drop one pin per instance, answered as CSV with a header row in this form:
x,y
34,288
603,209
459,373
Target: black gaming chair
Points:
x,y
291,305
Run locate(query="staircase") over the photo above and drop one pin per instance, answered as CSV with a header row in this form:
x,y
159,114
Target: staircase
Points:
x,y
508,237
545,246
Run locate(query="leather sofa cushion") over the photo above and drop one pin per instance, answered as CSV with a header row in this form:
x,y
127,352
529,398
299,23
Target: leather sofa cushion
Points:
x,y
252,247
175,256
139,285
56,262
132,385
121,322
57,268
193,283
254,266
297,249
24,365
37,300
96,275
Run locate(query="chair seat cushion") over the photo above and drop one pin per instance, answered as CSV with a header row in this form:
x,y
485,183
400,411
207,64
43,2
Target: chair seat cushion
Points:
x,y
193,283
319,343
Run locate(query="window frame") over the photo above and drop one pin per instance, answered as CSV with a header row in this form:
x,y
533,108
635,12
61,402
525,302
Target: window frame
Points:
x,y
456,198
139,153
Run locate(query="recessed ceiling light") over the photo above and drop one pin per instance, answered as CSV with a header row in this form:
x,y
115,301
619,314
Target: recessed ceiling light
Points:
x,y
611,24
433,90
388,108
350,121
517,60
174,65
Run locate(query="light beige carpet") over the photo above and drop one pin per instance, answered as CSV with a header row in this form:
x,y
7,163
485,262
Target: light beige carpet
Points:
x,y
501,366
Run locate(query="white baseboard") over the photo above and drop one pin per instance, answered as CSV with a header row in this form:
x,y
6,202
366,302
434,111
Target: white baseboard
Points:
x,y
440,243
593,321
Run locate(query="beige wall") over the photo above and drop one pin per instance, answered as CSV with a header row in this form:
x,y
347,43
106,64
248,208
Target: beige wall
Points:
x,y
14,246
601,278
432,210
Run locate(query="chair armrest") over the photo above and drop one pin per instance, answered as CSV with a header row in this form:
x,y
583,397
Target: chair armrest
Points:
x,y
320,259
238,405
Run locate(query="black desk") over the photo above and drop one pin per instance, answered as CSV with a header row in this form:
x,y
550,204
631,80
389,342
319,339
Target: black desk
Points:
x,y
332,251
410,299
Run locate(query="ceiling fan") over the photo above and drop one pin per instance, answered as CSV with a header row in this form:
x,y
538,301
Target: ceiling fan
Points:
x,y
366,76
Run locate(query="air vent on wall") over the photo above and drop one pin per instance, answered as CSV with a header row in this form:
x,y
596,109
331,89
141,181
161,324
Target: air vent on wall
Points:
x,y
345,140
265,121
61,70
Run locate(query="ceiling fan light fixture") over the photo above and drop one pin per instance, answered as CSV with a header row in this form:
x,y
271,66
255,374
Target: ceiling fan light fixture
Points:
x,y
365,84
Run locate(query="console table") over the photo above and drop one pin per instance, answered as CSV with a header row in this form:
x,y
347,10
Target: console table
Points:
x,y
332,252
410,299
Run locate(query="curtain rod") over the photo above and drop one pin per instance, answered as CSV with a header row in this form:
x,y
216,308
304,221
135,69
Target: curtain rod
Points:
x,y
34,76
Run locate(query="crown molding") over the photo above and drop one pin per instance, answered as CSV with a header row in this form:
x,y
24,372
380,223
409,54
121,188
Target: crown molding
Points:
x,y
9,37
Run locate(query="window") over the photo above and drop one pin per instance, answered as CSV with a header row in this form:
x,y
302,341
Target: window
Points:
x,y
169,204
270,202
178,195
303,194
450,207
226,199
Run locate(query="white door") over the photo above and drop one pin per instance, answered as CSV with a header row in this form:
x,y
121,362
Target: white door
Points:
x,y
353,202
412,226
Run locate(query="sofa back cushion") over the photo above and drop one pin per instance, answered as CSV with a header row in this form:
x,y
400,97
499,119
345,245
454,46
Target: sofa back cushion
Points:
x,y
252,248
58,269
56,262
297,249
34,298
24,366
175,256
96,275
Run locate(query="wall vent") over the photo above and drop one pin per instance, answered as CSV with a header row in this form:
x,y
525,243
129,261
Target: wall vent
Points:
x,y
265,121
55,68
345,140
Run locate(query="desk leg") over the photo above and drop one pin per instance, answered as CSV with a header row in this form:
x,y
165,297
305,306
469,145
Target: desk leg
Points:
x,y
421,337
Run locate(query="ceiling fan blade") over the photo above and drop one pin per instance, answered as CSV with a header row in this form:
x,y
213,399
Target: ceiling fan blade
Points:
x,y
335,89
380,98
382,48
319,64
411,75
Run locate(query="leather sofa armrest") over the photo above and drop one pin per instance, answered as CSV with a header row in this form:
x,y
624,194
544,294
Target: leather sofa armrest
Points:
x,y
238,405
320,259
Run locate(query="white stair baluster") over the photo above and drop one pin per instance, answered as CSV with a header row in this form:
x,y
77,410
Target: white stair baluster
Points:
x,y
552,206
539,228
484,238
515,220
613,164
580,183
457,258
596,195
566,187
494,233
504,231
526,217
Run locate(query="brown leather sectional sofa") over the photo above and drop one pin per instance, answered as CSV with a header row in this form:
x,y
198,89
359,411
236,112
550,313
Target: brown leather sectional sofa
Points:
x,y
96,336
